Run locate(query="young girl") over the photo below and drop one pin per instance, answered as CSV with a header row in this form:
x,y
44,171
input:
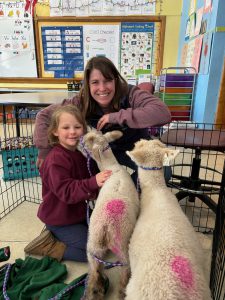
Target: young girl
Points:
x,y
66,184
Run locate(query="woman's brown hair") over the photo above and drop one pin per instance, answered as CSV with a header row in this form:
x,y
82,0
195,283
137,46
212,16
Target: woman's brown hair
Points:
x,y
54,123
109,71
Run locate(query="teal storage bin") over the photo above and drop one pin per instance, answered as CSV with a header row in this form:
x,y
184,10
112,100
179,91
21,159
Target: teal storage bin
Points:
x,y
19,163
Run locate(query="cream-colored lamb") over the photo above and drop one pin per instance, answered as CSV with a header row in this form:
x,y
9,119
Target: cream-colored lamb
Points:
x,y
165,255
114,215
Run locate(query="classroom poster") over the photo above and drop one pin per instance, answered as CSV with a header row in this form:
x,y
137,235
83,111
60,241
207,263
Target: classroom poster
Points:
x,y
101,40
136,48
63,50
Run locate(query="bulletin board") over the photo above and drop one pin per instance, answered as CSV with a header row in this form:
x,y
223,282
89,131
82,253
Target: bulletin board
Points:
x,y
64,44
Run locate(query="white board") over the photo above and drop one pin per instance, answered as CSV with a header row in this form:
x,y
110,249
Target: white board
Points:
x,y
17,48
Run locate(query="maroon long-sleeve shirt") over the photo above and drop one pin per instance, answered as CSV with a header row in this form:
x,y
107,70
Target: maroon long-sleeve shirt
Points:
x,y
66,184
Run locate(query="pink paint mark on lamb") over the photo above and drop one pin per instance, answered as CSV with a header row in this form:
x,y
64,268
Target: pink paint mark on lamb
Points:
x,y
116,250
115,208
182,268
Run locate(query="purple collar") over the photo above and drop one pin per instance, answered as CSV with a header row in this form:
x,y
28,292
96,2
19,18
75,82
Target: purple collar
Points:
x,y
150,168
88,153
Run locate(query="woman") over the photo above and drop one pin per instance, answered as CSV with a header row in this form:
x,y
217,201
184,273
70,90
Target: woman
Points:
x,y
108,103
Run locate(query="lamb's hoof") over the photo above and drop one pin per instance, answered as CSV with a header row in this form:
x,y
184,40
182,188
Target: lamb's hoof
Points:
x,y
121,295
97,290
94,293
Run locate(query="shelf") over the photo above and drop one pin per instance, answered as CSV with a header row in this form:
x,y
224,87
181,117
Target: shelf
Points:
x,y
177,91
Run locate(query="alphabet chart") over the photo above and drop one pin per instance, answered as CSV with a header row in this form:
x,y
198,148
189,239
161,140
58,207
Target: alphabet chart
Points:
x,y
136,48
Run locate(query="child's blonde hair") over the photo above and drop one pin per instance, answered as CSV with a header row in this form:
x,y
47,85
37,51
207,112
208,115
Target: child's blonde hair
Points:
x,y
54,123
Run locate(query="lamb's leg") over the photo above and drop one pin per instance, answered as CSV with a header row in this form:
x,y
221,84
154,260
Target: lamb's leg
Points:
x,y
125,275
95,284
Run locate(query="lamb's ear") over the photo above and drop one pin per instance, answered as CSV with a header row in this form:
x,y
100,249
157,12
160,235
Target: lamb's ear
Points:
x,y
96,153
136,156
90,128
113,135
169,155
89,139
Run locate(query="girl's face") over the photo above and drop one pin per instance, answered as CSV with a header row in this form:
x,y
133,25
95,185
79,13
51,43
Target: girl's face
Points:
x,y
69,131
102,90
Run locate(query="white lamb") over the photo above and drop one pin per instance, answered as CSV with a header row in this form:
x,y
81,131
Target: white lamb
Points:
x,y
114,216
165,255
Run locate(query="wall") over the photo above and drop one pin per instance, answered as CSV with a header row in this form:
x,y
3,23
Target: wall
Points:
x,y
172,10
207,85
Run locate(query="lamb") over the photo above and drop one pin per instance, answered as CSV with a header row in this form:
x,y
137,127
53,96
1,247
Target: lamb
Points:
x,y
114,216
165,255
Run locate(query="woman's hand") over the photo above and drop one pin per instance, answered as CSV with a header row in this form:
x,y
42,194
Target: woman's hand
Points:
x,y
103,121
102,177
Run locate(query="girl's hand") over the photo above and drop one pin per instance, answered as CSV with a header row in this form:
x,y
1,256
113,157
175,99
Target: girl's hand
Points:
x,y
103,121
39,162
102,177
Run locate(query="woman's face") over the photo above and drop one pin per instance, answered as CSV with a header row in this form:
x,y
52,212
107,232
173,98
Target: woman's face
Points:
x,y
102,90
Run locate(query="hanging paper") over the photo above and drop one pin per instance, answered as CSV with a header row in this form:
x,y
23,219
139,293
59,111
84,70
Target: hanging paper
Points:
x,y
206,53
199,15
192,7
192,26
197,52
208,6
